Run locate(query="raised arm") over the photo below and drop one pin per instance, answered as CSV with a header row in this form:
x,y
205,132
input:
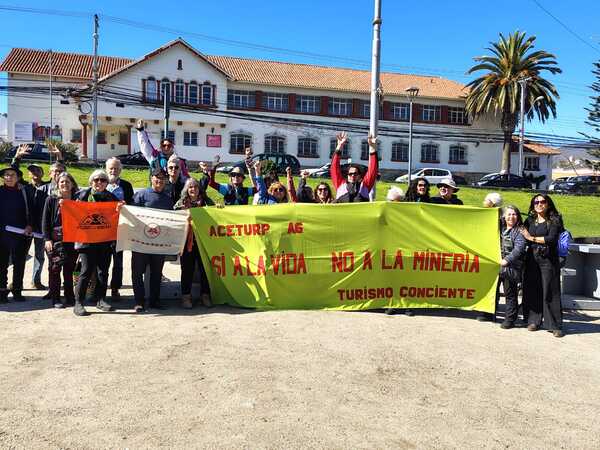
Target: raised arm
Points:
x,y
290,185
371,175
23,149
248,161
336,171
146,147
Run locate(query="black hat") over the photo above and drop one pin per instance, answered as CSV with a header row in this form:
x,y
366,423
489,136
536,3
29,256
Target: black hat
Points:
x,y
159,173
3,171
35,167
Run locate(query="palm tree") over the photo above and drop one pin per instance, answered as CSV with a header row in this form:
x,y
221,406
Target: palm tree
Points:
x,y
498,90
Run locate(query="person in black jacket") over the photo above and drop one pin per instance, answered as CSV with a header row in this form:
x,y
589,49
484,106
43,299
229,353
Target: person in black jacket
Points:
x,y
61,255
512,246
123,190
447,193
541,277
94,257
15,232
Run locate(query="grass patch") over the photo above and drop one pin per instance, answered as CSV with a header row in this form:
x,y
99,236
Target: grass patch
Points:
x,y
579,212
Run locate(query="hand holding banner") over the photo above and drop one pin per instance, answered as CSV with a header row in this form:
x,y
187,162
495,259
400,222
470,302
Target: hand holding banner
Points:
x,y
89,222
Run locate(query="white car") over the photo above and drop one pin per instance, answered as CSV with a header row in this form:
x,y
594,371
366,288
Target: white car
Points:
x,y
432,175
323,168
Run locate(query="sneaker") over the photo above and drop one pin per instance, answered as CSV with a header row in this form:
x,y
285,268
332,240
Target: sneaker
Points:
x,y
507,324
103,306
206,300
58,304
79,310
558,333
139,309
532,327
186,301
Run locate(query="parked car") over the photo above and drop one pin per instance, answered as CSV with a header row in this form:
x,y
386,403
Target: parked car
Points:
x,y
323,168
326,173
557,181
587,184
281,161
461,181
432,175
135,159
506,180
38,152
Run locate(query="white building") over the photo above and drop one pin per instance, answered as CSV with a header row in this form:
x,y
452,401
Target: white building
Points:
x,y
222,104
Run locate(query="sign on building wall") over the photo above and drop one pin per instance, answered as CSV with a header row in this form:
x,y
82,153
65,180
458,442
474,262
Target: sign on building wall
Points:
x,y
23,131
213,140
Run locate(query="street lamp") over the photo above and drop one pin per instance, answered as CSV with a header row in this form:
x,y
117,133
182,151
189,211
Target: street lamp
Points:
x,y
524,114
411,94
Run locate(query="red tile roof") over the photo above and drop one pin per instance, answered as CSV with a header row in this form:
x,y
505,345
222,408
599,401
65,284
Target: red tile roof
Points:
x,y
534,147
268,73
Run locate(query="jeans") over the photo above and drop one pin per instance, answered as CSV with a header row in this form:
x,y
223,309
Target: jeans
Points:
x,y
139,262
94,258
38,260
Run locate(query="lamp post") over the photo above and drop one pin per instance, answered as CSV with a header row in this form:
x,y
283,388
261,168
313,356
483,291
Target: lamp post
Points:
x,y
83,120
411,94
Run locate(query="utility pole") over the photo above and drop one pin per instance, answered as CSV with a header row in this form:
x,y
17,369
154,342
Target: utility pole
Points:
x,y
375,62
95,93
167,109
523,83
50,72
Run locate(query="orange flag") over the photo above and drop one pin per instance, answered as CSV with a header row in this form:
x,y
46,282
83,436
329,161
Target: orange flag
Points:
x,y
89,222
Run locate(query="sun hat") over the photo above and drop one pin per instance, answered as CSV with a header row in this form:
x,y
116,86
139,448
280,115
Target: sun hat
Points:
x,y
449,182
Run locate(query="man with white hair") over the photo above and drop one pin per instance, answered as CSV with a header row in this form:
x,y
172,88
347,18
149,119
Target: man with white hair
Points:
x,y
175,179
123,190
395,194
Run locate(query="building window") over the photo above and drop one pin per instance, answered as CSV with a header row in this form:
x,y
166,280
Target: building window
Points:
x,y
432,113
241,99
308,148
274,145
366,109
101,137
400,111
207,94
457,116
239,142
123,138
400,151
179,92
193,93
151,92
179,64
308,104
429,153
190,138
345,148
165,86
76,136
171,135
275,102
364,150
458,154
340,106
531,163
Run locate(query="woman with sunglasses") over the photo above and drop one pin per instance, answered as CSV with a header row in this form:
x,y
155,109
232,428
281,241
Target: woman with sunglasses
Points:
x,y
62,256
94,257
157,159
323,193
418,191
275,193
541,277
175,179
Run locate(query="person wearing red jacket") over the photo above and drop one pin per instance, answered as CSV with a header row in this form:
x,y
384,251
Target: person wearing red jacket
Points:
x,y
355,188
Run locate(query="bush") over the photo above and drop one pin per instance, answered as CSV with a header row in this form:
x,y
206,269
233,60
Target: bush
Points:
x,y
69,151
5,147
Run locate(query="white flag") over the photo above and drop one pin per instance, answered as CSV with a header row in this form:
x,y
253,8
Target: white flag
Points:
x,y
153,231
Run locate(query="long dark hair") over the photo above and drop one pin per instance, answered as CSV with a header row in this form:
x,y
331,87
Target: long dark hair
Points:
x,y
329,197
412,195
552,213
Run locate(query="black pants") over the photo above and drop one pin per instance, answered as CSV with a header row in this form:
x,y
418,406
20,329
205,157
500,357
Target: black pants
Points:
x,y
15,249
67,268
139,262
94,258
511,297
541,292
188,265
116,279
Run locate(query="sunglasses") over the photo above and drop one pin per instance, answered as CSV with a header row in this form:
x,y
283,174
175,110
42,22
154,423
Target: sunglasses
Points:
x,y
539,202
322,189
100,180
166,145
236,175
173,167
352,174
279,190
421,185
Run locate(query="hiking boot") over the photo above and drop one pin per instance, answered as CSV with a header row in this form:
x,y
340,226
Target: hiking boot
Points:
x,y
79,310
103,306
186,301
507,324
18,297
206,300
558,333
532,327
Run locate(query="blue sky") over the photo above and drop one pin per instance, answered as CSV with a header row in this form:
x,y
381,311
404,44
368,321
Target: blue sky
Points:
x,y
435,38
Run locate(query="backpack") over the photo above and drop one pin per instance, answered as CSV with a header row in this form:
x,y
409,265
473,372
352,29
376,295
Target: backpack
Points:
x,y
564,240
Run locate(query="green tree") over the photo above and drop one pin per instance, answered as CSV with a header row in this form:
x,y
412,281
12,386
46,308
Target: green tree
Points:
x,y
593,119
498,92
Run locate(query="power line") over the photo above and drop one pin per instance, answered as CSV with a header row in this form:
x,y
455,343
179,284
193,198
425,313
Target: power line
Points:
x,y
562,24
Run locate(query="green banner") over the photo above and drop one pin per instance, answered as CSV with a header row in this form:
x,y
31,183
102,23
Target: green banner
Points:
x,y
350,256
